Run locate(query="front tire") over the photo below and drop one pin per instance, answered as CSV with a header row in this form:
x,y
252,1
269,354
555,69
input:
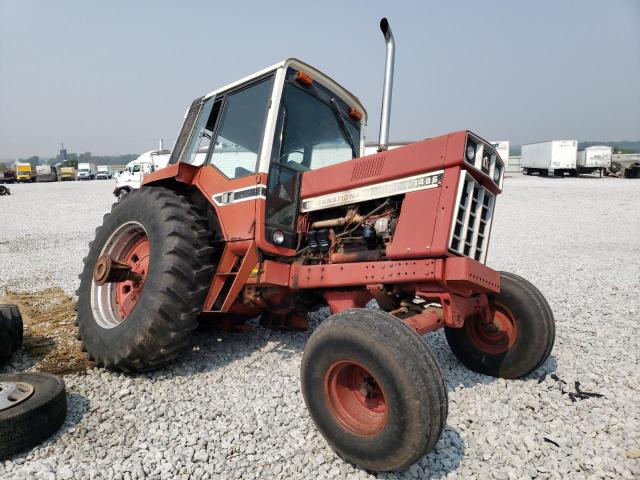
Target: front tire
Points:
x,y
137,327
519,339
373,389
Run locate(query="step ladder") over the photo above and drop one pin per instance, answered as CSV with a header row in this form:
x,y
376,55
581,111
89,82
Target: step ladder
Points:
x,y
231,275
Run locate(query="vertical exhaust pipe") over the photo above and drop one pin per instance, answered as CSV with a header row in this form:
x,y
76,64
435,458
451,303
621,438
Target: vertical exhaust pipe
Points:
x,y
385,113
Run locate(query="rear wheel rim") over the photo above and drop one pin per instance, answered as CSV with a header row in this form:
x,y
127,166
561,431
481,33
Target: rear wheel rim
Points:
x,y
497,336
355,398
112,303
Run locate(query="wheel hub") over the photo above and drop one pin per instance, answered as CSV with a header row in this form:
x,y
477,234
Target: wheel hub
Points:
x,y
14,393
128,292
108,270
496,336
355,398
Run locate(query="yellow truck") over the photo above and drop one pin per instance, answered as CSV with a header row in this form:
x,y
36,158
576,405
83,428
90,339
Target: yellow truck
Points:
x,y
25,173
67,173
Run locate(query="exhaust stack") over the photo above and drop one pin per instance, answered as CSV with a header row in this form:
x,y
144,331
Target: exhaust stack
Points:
x,y
385,113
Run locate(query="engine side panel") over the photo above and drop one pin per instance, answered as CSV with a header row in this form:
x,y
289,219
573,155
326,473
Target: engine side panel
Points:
x,y
420,157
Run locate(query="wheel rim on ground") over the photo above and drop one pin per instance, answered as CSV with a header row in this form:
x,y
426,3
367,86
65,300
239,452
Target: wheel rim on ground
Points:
x,y
112,303
495,337
355,398
14,393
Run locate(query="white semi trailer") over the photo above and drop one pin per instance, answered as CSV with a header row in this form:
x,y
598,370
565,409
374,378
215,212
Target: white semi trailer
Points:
x,y
556,156
594,159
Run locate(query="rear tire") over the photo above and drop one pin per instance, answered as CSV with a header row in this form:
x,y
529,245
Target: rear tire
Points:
x,y
519,340
404,410
10,330
157,322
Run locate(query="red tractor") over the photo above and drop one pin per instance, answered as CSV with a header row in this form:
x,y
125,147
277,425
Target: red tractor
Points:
x,y
268,208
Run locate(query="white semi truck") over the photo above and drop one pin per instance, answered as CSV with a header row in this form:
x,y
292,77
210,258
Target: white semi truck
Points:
x,y
131,177
104,172
556,156
594,159
86,171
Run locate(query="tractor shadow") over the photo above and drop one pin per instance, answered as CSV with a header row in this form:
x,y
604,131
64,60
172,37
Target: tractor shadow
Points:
x,y
213,349
457,375
445,458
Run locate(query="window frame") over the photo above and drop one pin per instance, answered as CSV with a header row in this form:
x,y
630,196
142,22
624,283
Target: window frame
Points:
x,y
224,98
324,95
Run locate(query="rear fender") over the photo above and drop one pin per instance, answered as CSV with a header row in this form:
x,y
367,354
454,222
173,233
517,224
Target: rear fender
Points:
x,y
177,173
232,200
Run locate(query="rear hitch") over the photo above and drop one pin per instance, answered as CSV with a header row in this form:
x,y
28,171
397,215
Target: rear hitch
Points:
x,y
108,270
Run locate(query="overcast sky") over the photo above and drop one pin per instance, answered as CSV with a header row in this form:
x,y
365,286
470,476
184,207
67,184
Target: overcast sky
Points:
x,y
115,76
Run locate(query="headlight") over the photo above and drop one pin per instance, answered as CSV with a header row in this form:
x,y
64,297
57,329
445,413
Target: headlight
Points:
x,y
471,152
278,237
496,173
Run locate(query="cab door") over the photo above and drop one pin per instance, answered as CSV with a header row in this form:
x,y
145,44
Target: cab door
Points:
x,y
228,147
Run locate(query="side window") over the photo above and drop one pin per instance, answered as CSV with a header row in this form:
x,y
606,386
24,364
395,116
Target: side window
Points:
x,y
241,126
195,153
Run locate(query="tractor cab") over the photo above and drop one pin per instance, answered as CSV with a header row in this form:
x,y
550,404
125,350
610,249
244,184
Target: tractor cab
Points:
x,y
254,138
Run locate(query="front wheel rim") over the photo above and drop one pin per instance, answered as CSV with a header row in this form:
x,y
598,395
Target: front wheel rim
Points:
x,y
112,303
355,398
497,336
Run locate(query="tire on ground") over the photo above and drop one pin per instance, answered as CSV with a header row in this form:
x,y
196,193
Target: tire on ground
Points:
x,y
404,368
33,420
178,278
10,330
534,324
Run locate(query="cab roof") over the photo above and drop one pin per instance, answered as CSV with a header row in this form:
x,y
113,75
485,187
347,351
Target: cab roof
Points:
x,y
316,74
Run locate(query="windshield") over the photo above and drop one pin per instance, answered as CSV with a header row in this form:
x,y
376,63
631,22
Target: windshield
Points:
x,y
83,170
314,131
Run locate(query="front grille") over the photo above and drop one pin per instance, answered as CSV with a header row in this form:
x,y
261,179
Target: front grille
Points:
x,y
472,219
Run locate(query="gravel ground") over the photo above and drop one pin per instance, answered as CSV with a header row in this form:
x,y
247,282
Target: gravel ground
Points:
x,y
232,408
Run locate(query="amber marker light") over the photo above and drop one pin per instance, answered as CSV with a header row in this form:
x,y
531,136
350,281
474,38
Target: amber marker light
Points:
x,y
305,78
355,114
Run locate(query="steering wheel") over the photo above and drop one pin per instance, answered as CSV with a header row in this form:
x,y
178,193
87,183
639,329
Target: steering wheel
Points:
x,y
289,153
